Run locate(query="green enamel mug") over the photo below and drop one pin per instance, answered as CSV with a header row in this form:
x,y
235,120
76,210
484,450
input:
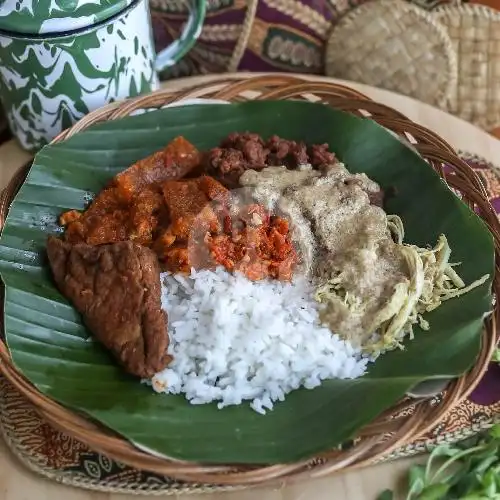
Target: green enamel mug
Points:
x,y
61,59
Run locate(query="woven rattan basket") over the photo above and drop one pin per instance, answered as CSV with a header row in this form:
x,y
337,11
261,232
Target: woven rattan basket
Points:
x,y
395,427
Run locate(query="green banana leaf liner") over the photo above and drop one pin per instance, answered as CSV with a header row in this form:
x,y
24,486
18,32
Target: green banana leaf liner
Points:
x,y
50,346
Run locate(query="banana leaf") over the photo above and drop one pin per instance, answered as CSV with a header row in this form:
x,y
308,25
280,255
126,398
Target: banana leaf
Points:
x,y
52,348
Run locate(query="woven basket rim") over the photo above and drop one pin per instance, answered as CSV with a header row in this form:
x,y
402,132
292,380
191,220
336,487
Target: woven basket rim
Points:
x,y
391,429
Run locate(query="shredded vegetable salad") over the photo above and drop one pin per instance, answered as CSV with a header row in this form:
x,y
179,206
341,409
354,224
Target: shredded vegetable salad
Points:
x,y
433,280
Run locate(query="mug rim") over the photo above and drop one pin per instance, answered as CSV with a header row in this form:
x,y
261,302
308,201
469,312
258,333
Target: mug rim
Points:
x,y
59,35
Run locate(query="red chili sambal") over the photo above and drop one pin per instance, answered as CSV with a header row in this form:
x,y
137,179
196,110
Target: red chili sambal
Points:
x,y
254,243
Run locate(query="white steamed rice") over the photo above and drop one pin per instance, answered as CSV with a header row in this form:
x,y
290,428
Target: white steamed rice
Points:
x,y
233,339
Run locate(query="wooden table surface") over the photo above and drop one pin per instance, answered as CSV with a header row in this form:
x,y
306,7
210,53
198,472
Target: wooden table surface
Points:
x,y
16,483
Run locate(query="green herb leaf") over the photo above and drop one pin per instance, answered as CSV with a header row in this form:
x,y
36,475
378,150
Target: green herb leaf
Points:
x,y
434,492
484,464
496,356
445,450
386,495
489,482
457,475
469,470
494,432
416,479
464,481
474,496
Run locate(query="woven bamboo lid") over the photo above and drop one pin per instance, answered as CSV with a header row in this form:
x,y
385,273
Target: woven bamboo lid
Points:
x,y
475,34
394,45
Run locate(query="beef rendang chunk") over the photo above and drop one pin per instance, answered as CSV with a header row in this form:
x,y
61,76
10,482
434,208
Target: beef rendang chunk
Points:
x,y
116,288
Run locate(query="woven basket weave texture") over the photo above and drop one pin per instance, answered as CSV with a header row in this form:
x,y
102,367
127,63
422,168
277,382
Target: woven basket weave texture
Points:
x,y
393,428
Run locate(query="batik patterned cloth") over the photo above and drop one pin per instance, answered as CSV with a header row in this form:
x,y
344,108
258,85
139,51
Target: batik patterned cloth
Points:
x,y
281,35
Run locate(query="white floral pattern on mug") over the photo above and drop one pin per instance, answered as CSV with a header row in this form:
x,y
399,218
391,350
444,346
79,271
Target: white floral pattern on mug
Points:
x,y
49,80
47,86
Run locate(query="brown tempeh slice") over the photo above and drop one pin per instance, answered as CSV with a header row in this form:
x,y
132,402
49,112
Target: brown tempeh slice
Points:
x,y
117,290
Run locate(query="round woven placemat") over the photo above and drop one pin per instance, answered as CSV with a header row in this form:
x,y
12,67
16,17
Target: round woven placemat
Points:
x,y
393,428
394,45
475,34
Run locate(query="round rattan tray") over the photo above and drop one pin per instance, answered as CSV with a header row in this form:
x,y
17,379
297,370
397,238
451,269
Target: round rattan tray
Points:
x,y
398,425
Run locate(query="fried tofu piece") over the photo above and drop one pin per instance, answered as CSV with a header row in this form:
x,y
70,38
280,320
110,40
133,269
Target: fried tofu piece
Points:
x,y
116,288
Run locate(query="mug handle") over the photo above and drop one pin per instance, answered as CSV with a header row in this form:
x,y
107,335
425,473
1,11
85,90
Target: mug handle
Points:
x,y
192,29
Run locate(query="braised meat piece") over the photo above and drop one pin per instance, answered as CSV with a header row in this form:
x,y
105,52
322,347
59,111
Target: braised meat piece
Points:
x,y
291,154
251,146
109,220
116,288
236,153
320,155
227,165
239,152
69,217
